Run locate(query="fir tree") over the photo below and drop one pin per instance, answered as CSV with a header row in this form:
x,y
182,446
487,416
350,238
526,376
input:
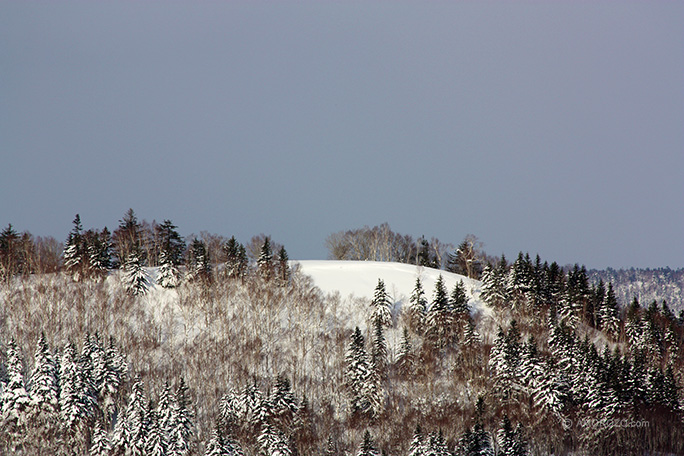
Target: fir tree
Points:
x,y
272,442
43,383
155,438
199,267
380,306
283,266
357,374
100,444
169,275
74,251
14,399
367,446
417,307
405,357
265,260
440,319
135,277
379,350
169,243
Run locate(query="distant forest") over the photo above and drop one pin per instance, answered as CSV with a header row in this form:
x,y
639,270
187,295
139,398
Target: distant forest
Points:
x,y
142,342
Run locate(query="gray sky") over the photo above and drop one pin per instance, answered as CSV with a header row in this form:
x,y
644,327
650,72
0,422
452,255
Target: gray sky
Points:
x,y
554,128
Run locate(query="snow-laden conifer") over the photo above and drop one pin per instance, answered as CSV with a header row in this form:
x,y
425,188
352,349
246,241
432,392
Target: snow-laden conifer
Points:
x,y
381,306
100,444
135,277
367,446
44,380
14,397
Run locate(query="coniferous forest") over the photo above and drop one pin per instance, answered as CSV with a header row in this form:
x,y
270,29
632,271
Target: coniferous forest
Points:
x,y
139,341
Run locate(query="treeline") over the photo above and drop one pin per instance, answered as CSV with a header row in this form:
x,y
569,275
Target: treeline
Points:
x,y
380,243
660,284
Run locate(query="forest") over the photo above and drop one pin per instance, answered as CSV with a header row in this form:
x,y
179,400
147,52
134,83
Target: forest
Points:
x,y
142,342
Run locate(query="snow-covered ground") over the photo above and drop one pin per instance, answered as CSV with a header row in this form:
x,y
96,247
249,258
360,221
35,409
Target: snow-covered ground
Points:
x,y
358,279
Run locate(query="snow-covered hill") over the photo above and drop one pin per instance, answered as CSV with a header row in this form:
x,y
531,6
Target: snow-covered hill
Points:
x,y
358,279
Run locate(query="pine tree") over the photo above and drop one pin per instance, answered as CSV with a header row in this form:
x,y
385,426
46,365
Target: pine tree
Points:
x,y
380,306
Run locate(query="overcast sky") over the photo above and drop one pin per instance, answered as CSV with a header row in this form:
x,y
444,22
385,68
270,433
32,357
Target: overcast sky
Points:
x,y
548,127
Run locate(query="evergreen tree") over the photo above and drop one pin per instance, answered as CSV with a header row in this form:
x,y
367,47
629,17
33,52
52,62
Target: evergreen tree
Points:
x,y
510,441
272,442
169,275
417,307
380,306
265,260
357,374
284,407
182,428
609,318
459,300
127,239
405,357
424,257
100,444
10,258
169,243
379,350
440,318
155,440
417,446
367,446
43,383
135,277
236,258
199,267
283,266
14,398
75,261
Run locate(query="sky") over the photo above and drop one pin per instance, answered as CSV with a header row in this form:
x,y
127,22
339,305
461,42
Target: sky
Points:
x,y
555,128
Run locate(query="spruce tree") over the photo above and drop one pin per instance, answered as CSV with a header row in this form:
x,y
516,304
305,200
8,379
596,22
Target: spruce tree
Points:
x,y
367,446
417,307
357,374
43,383
135,277
283,266
440,318
380,306
265,260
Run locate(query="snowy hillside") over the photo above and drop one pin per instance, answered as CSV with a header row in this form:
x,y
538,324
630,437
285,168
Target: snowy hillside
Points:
x,y
358,279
